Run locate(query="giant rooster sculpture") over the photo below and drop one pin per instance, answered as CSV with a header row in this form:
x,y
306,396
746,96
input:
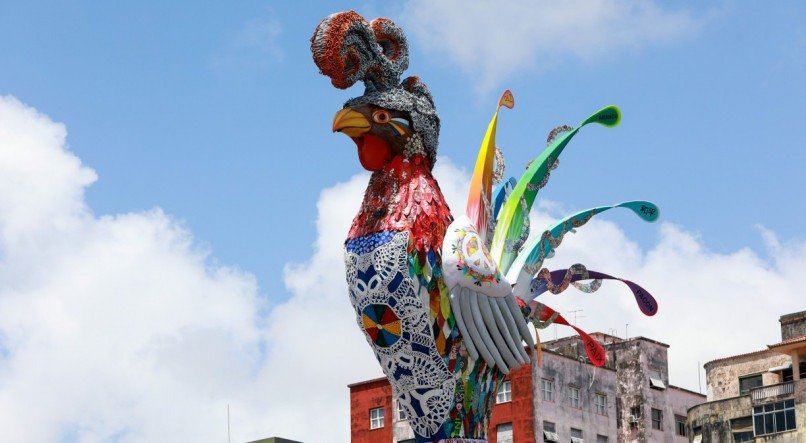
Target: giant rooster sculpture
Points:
x,y
444,303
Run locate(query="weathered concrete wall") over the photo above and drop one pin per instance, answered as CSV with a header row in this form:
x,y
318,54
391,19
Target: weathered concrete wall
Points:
x,y
635,361
632,377
400,428
722,376
678,402
567,372
793,325
713,419
574,348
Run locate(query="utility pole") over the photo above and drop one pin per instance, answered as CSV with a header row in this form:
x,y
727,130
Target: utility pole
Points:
x,y
699,380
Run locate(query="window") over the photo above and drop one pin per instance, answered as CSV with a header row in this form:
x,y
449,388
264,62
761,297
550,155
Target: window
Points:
x,y
742,428
635,416
680,425
601,438
600,401
376,418
774,417
748,383
657,419
576,435
550,432
547,388
656,379
503,433
504,392
401,413
573,396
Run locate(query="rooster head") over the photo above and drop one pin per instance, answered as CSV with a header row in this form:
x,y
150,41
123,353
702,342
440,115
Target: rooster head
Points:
x,y
392,118
379,134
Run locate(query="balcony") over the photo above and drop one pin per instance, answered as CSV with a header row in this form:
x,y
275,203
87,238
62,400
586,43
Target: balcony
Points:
x,y
764,392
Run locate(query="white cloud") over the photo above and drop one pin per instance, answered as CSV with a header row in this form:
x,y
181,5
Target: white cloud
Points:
x,y
712,305
120,328
113,327
492,40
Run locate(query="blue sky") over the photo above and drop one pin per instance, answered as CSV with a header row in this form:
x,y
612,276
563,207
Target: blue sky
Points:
x,y
207,127
180,107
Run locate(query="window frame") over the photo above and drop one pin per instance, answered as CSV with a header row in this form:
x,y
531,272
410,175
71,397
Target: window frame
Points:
x,y
637,413
750,377
504,393
657,422
376,422
600,408
574,401
546,382
771,410
498,432
401,413
678,421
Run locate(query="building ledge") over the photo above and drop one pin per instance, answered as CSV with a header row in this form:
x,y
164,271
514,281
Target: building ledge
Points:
x,y
789,345
686,390
367,382
737,357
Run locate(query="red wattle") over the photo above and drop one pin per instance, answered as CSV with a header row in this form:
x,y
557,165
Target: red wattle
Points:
x,y
373,152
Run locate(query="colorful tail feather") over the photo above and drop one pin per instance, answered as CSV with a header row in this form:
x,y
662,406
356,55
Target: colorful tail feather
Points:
x,y
479,208
505,212
511,215
558,281
530,257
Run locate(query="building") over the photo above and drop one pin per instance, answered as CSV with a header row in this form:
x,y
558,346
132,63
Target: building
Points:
x,y
759,396
565,399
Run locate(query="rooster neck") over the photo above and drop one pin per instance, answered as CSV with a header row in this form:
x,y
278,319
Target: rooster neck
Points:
x,y
404,196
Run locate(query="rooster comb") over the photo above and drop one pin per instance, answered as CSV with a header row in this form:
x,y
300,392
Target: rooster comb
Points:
x,y
347,49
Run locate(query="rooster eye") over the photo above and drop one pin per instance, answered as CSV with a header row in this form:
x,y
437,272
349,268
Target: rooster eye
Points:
x,y
380,116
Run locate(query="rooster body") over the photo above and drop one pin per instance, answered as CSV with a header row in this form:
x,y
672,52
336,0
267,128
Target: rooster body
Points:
x,y
399,295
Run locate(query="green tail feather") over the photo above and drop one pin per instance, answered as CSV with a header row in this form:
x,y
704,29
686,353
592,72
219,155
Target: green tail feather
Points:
x,y
510,219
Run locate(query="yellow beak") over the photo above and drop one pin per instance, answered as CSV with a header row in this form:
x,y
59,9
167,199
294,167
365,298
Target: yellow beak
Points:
x,y
350,122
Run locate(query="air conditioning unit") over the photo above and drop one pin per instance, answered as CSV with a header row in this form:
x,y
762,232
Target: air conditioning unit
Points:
x,y
632,419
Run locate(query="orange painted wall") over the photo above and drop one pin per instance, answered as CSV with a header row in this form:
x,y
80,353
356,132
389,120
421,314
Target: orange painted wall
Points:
x,y
363,397
519,411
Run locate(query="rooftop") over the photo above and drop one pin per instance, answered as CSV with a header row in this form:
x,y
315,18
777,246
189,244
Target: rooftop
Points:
x,y
367,382
738,356
795,316
790,341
